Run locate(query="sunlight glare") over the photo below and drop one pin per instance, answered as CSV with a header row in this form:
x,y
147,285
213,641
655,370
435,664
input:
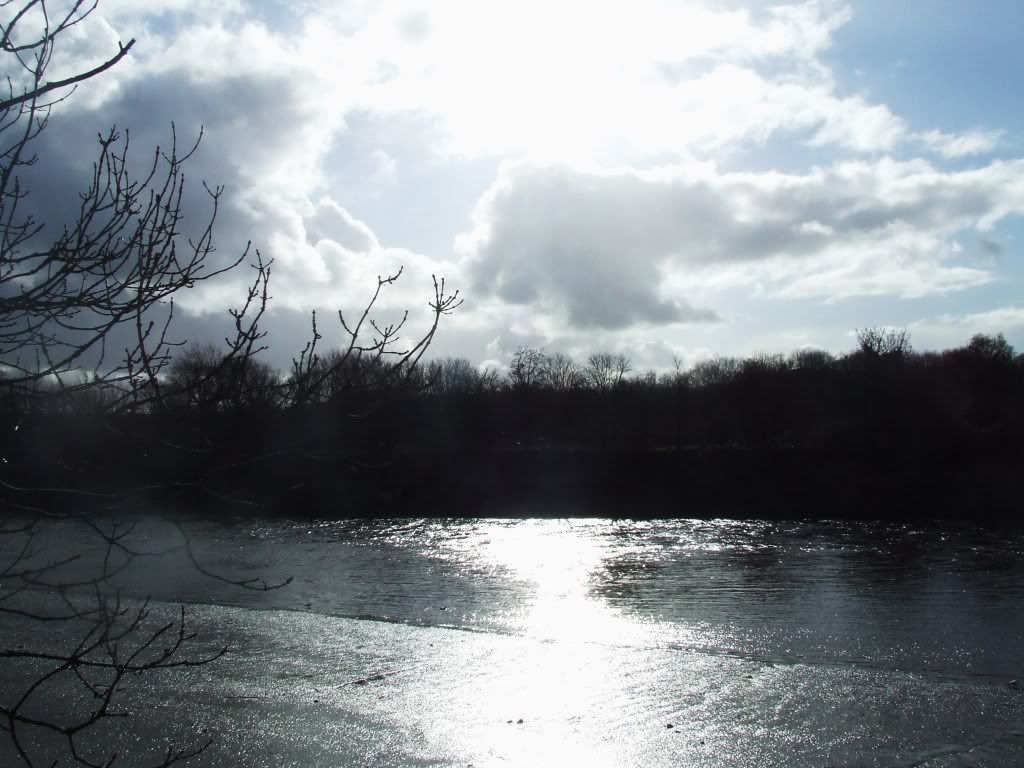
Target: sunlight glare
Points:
x,y
558,558
566,82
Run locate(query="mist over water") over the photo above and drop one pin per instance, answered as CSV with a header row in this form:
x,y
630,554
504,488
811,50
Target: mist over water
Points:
x,y
415,642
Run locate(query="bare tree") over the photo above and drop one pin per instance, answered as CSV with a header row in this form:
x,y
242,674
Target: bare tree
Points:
x,y
811,359
200,379
89,640
605,370
887,343
527,369
562,373
369,343
456,375
714,372
118,266
121,261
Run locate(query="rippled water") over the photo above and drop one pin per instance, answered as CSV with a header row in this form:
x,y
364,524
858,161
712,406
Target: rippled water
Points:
x,y
890,596
761,643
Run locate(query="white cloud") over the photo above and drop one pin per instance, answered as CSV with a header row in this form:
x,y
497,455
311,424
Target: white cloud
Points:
x,y
960,145
950,330
612,248
597,81
991,321
855,123
329,222
385,167
566,86
573,81
612,82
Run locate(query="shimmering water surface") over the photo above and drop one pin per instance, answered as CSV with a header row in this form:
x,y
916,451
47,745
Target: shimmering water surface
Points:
x,y
761,643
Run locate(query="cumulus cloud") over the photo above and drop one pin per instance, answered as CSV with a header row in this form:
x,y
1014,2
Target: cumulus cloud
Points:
x,y
324,256
604,81
657,89
550,236
950,330
618,247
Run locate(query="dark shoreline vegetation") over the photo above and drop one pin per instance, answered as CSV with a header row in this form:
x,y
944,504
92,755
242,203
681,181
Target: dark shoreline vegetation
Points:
x,y
882,432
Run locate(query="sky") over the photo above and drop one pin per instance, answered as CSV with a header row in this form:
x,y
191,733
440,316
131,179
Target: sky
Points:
x,y
659,177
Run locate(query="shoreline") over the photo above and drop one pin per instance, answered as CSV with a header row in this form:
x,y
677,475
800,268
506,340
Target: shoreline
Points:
x,y
740,484
729,482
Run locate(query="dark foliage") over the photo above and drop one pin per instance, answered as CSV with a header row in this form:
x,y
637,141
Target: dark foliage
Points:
x,y
254,440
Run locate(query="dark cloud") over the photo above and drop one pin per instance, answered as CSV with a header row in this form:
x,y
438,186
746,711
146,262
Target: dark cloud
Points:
x,y
591,243
990,247
251,127
240,123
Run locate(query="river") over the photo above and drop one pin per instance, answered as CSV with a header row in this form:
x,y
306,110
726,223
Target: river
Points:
x,y
542,642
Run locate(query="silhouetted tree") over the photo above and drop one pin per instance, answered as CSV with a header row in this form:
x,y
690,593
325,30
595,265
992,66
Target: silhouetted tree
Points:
x,y
63,293
200,378
116,263
606,370
884,343
457,376
714,372
528,368
371,346
562,373
995,348
811,359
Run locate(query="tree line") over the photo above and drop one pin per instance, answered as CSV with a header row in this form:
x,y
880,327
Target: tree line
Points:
x,y
882,395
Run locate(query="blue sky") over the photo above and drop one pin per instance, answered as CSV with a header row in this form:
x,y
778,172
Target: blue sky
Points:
x,y
957,66
659,178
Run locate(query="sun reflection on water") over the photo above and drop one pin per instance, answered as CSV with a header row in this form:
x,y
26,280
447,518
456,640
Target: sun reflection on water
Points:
x,y
558,560
571,693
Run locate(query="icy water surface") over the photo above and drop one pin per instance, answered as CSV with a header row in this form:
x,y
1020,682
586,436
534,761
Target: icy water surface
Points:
x,y
427,642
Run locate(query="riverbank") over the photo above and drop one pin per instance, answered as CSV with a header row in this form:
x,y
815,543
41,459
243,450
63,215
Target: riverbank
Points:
x,y
649,484
56,464
732,483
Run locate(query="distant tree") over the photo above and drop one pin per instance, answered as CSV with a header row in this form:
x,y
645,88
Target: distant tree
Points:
x,y
605,370
761,406
714,372
884,343
677,376
489,380
203,379
995,348
193,380
811,359
528,368
562,373
454,375
371,346
764,362
357,372
985,379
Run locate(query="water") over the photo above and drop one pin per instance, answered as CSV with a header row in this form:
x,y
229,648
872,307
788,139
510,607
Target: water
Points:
x,y
761,643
